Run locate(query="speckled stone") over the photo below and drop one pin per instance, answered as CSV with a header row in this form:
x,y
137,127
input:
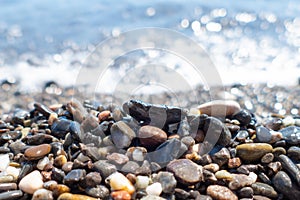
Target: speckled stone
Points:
x,y
220,193
220,108
253,151
241,180
100,191
234,163
186,171
37,152
120,195
31,182
264,190
221,157
117,158
167,181
42,194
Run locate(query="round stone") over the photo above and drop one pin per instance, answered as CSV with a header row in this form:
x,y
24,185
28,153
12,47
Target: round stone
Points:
x,y
253,151
151,137
220,108
118,181
186,171
220,193
142,182
243,116
37,152
42,194
263,134
69,196
31,182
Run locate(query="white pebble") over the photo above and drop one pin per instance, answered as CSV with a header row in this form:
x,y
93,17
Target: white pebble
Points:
x,y
288,121
4,162
31,182
42,163
253,176
118,181
142,182
154,189
297,122
15,172
137,155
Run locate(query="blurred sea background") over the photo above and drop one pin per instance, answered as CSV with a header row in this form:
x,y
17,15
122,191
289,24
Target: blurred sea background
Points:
x,y
249,41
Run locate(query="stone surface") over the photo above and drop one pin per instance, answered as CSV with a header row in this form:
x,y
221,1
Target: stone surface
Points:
x,y
37,152
243,116
120,195
294,153
74,176
7,186
117,158
167,181
290,167
118,181
14,194
283,184
151,136
220,108
69,196
142,182
121,134
221,157
240,180
253,152
234,163
4,162
104,168
100,191
31,182
220,193
186,171
263,134
264,190
42,194
154,189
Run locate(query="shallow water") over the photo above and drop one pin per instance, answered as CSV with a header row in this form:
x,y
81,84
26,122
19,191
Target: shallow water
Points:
x,y
249,41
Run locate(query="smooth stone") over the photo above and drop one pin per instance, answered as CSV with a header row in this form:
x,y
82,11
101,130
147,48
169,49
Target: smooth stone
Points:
x,y
288,121
243,116
264,178
283,184
100,191
181,194
259,197
59,189
144,169
37,139
223,174
120,195
60,160
136,153
69,196
92,179
220,108
42,194
118,181
291,134
273,123
241,180
246,192
221,157
242,135
130,167
117,158
167,151
278,151
17,147
104,168
67,167
4,162
10,195
142,182
154,189
294,153
121,134
220,193
253,151
263,135
42,163
31,182
267,158
213,167
234,162
152,197
74,176
57,174
264,190
275,166
37,152
209,177
7,186
186,171
151,136
167,181
60,128
290,167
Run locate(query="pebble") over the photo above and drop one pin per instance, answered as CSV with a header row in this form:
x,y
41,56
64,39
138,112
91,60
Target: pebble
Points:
x,y
130,167
246,192
220,108
31,182
185,171
142,182
264,190
152,197
213,167
154,189
221,157
283,184
290,167
243,116
121,134
69,196
118,181
242,135
220,193
4,162
100,191
223,174
263,134
267,158
241,180
7,186
253,152
42,163
120,195
104,168
234,163
92,179
136,153
117,158
14,194
60,160
74,176
37,152
294,153
291,134
151,137
42,194
167,181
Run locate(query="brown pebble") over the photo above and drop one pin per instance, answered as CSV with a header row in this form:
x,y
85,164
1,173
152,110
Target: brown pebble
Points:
x,y
69,196
67,166
103,115
151,136
7,186
234,163
218,192
220,108
60,160
37,152
120,195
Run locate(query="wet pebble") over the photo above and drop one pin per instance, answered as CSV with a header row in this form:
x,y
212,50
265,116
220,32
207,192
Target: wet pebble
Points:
x,y
254,151
92,179
9,195
264,190
31,182
234,163
294,153
151,137
263,134
104,168
221,157
243,116
121,134
290,167
100,191
291,134
220,193
219,108
246,192
42,194
37,152
186,171
74,176
282,183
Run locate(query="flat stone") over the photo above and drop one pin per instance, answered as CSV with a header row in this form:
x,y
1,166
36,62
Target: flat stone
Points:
x,y
154,189
167,181
220,108
10,195
130,167
31,182
213,167
121,134
37,152
151,136
42,194
267,158
117,158
220,193
264,190
69,196
283,184
92,179
253,152
186,171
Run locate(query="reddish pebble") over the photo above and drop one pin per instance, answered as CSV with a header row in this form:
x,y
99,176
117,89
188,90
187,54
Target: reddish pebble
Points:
x,y
120,195
234,163
103,115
